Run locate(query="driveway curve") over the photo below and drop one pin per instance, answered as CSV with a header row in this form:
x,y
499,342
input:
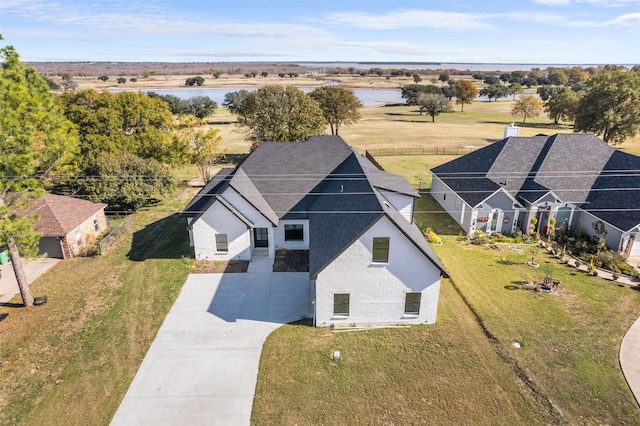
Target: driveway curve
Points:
x,y
202,367
630,358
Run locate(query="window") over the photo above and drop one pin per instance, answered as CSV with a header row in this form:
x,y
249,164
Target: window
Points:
x,y
458,203
381,249
78,237
294,232
412,303
222,246
341,305
444,195
96,225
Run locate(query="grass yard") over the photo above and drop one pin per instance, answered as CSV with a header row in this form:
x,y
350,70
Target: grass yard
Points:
x,y
72,360
566,371
443,374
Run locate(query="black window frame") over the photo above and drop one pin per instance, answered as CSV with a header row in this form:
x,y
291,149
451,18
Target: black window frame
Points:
x,y
295,232
411,305
340,301
380,250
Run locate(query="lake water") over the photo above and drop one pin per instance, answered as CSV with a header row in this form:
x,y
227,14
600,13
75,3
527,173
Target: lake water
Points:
x,y
368,97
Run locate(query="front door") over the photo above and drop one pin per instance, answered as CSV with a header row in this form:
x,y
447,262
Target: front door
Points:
x,y
261,237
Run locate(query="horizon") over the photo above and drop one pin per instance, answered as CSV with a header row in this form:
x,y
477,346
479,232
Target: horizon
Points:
x,y
580,32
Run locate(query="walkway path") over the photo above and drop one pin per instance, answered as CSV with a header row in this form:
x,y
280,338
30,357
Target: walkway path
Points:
x,y
202,366
630,358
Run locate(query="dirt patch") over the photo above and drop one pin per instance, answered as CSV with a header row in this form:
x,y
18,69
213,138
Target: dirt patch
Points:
x,y
220,266
291,261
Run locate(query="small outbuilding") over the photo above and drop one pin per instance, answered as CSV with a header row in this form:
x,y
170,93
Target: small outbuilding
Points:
x,y
67,224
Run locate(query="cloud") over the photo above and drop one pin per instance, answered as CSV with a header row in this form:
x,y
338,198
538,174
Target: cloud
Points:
x,y
598,3
409,19
150,20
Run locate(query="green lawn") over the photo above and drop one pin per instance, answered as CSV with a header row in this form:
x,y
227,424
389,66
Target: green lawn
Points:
x,y
72,360
465,369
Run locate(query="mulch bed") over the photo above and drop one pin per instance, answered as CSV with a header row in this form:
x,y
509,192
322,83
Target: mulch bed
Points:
x,y
291,261
220,266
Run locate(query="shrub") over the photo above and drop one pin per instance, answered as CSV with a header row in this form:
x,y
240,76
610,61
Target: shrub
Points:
x,y
432,236
89,250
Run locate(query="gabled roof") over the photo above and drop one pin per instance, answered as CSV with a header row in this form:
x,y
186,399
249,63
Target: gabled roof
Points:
x,y
577,168
59,215
322,180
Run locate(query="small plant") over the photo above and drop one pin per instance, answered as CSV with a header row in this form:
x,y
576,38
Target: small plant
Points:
x,y
615,276
578,264
432,236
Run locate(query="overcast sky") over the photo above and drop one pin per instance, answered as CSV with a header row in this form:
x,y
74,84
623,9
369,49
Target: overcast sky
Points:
x,y
502,31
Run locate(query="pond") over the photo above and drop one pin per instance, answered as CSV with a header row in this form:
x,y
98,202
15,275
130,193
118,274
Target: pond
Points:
x,y
368,97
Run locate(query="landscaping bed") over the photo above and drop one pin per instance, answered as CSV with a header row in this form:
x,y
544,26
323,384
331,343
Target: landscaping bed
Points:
x,y
220,266
291,261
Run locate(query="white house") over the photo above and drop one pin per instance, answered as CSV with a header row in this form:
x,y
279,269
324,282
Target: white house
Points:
x,y
368,263
577,179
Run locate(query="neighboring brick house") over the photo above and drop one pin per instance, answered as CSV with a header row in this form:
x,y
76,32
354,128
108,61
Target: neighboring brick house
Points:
x,y
577,179
368,262
67,224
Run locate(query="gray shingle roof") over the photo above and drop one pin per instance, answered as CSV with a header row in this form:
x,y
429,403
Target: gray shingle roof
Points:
x,y
578,168
322,179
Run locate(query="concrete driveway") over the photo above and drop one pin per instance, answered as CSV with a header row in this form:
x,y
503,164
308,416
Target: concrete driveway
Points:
x,y
33,268
202,367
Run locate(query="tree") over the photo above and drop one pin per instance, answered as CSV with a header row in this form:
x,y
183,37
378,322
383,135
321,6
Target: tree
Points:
x,y
562,106
194,81
527,106
216,74
117,123
466,92
339,106
35,140
281,113
491,79
410,92
443,77
199,106
124,180
133,79
515,89
433,104
610,106
121,80
234,100
103,77
448,92
203,145
495,91
558,78
546,92
175,104
264,74
417,78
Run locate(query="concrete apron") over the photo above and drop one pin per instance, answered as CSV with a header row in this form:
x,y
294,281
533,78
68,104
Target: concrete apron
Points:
x,y
630,358
202,366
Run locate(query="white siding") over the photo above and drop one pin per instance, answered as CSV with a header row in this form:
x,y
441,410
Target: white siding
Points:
x,y
247,210
219,220
448,200
401,202
377,291
613,236
291,245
